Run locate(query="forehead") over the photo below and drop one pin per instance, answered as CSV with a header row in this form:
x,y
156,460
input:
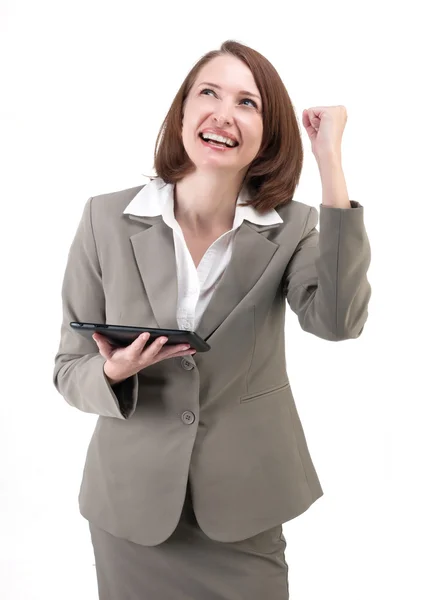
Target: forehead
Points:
x,y
229,72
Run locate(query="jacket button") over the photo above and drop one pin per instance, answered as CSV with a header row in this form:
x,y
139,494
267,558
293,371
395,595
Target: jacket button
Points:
x,y
188,417
186,364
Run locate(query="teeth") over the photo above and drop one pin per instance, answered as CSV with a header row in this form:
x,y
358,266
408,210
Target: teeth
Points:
x,y
218,138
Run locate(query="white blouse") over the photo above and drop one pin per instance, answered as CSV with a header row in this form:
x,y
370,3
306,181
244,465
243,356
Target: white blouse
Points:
x,y
195,285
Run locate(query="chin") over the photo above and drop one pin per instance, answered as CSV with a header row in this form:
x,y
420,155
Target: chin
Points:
x,y
212,162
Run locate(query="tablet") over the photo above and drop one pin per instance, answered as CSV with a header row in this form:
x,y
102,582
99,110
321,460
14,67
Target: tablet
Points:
x,y
123,335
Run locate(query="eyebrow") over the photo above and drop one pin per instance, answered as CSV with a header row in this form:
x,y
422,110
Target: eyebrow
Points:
x,y
219,88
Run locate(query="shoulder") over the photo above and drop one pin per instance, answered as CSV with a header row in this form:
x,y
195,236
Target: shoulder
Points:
x,y
298,217
106,206
295,211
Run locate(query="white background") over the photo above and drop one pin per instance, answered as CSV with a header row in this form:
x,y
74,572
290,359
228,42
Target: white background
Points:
x,y
85,87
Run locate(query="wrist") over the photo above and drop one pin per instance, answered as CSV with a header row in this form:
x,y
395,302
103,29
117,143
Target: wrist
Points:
x,y
329,159
111,380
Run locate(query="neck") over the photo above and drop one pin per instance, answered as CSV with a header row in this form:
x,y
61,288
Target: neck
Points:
x,y
205,203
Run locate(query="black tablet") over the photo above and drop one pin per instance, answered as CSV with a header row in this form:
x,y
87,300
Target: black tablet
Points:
x,y
123,335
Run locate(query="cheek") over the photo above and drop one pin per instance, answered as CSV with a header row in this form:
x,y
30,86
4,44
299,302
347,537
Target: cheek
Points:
x,y
253,137
190,122
188,128
250,125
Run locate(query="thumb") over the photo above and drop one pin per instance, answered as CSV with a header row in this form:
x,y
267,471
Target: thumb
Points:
x,y
308,125
103,345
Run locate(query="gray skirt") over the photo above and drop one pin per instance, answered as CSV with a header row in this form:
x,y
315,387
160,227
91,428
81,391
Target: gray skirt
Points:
x,y
191,566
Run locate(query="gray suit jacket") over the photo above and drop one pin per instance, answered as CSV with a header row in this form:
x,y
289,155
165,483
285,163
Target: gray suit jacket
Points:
x,y
225,418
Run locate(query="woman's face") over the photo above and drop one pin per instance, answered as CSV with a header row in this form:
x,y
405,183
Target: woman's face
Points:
x,y
216,101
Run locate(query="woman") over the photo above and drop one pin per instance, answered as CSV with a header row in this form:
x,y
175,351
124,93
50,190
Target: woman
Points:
x,y
197,459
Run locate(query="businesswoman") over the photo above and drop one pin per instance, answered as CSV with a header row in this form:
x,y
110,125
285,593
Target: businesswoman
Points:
x,y
198,458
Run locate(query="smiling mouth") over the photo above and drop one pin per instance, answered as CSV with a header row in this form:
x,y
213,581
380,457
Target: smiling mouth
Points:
x,y
217,144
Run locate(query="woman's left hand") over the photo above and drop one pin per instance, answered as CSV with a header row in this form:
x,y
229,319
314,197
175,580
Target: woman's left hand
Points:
x,y
324,126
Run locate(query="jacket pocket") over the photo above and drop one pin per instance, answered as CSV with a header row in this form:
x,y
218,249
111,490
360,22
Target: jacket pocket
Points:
x,y
266,392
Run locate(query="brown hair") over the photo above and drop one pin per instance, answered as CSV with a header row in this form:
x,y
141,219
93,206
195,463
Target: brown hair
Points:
x,y
274,173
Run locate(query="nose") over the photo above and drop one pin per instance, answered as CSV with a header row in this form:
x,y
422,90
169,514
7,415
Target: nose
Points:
x,y
223,114
220,120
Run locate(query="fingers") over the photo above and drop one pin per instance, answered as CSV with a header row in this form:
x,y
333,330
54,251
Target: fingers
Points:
x,y
135,357
139,344
174,352
157,350
139,352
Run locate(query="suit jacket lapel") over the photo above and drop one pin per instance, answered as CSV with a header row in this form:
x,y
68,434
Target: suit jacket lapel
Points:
x,y
251,255
154,251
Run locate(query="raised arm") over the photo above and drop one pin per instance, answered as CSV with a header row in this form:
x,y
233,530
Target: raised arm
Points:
x,y
325,282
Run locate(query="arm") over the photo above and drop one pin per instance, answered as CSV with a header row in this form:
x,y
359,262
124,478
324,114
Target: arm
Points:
x,y
325,281
78,373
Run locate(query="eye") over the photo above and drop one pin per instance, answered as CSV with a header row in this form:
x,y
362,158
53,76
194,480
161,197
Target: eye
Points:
x,y
243,99
249,100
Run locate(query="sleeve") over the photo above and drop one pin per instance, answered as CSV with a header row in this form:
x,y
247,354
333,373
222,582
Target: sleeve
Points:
x,y
325,281
78,373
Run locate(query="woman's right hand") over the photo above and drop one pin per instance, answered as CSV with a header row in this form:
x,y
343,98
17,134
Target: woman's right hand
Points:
x,y
122,363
